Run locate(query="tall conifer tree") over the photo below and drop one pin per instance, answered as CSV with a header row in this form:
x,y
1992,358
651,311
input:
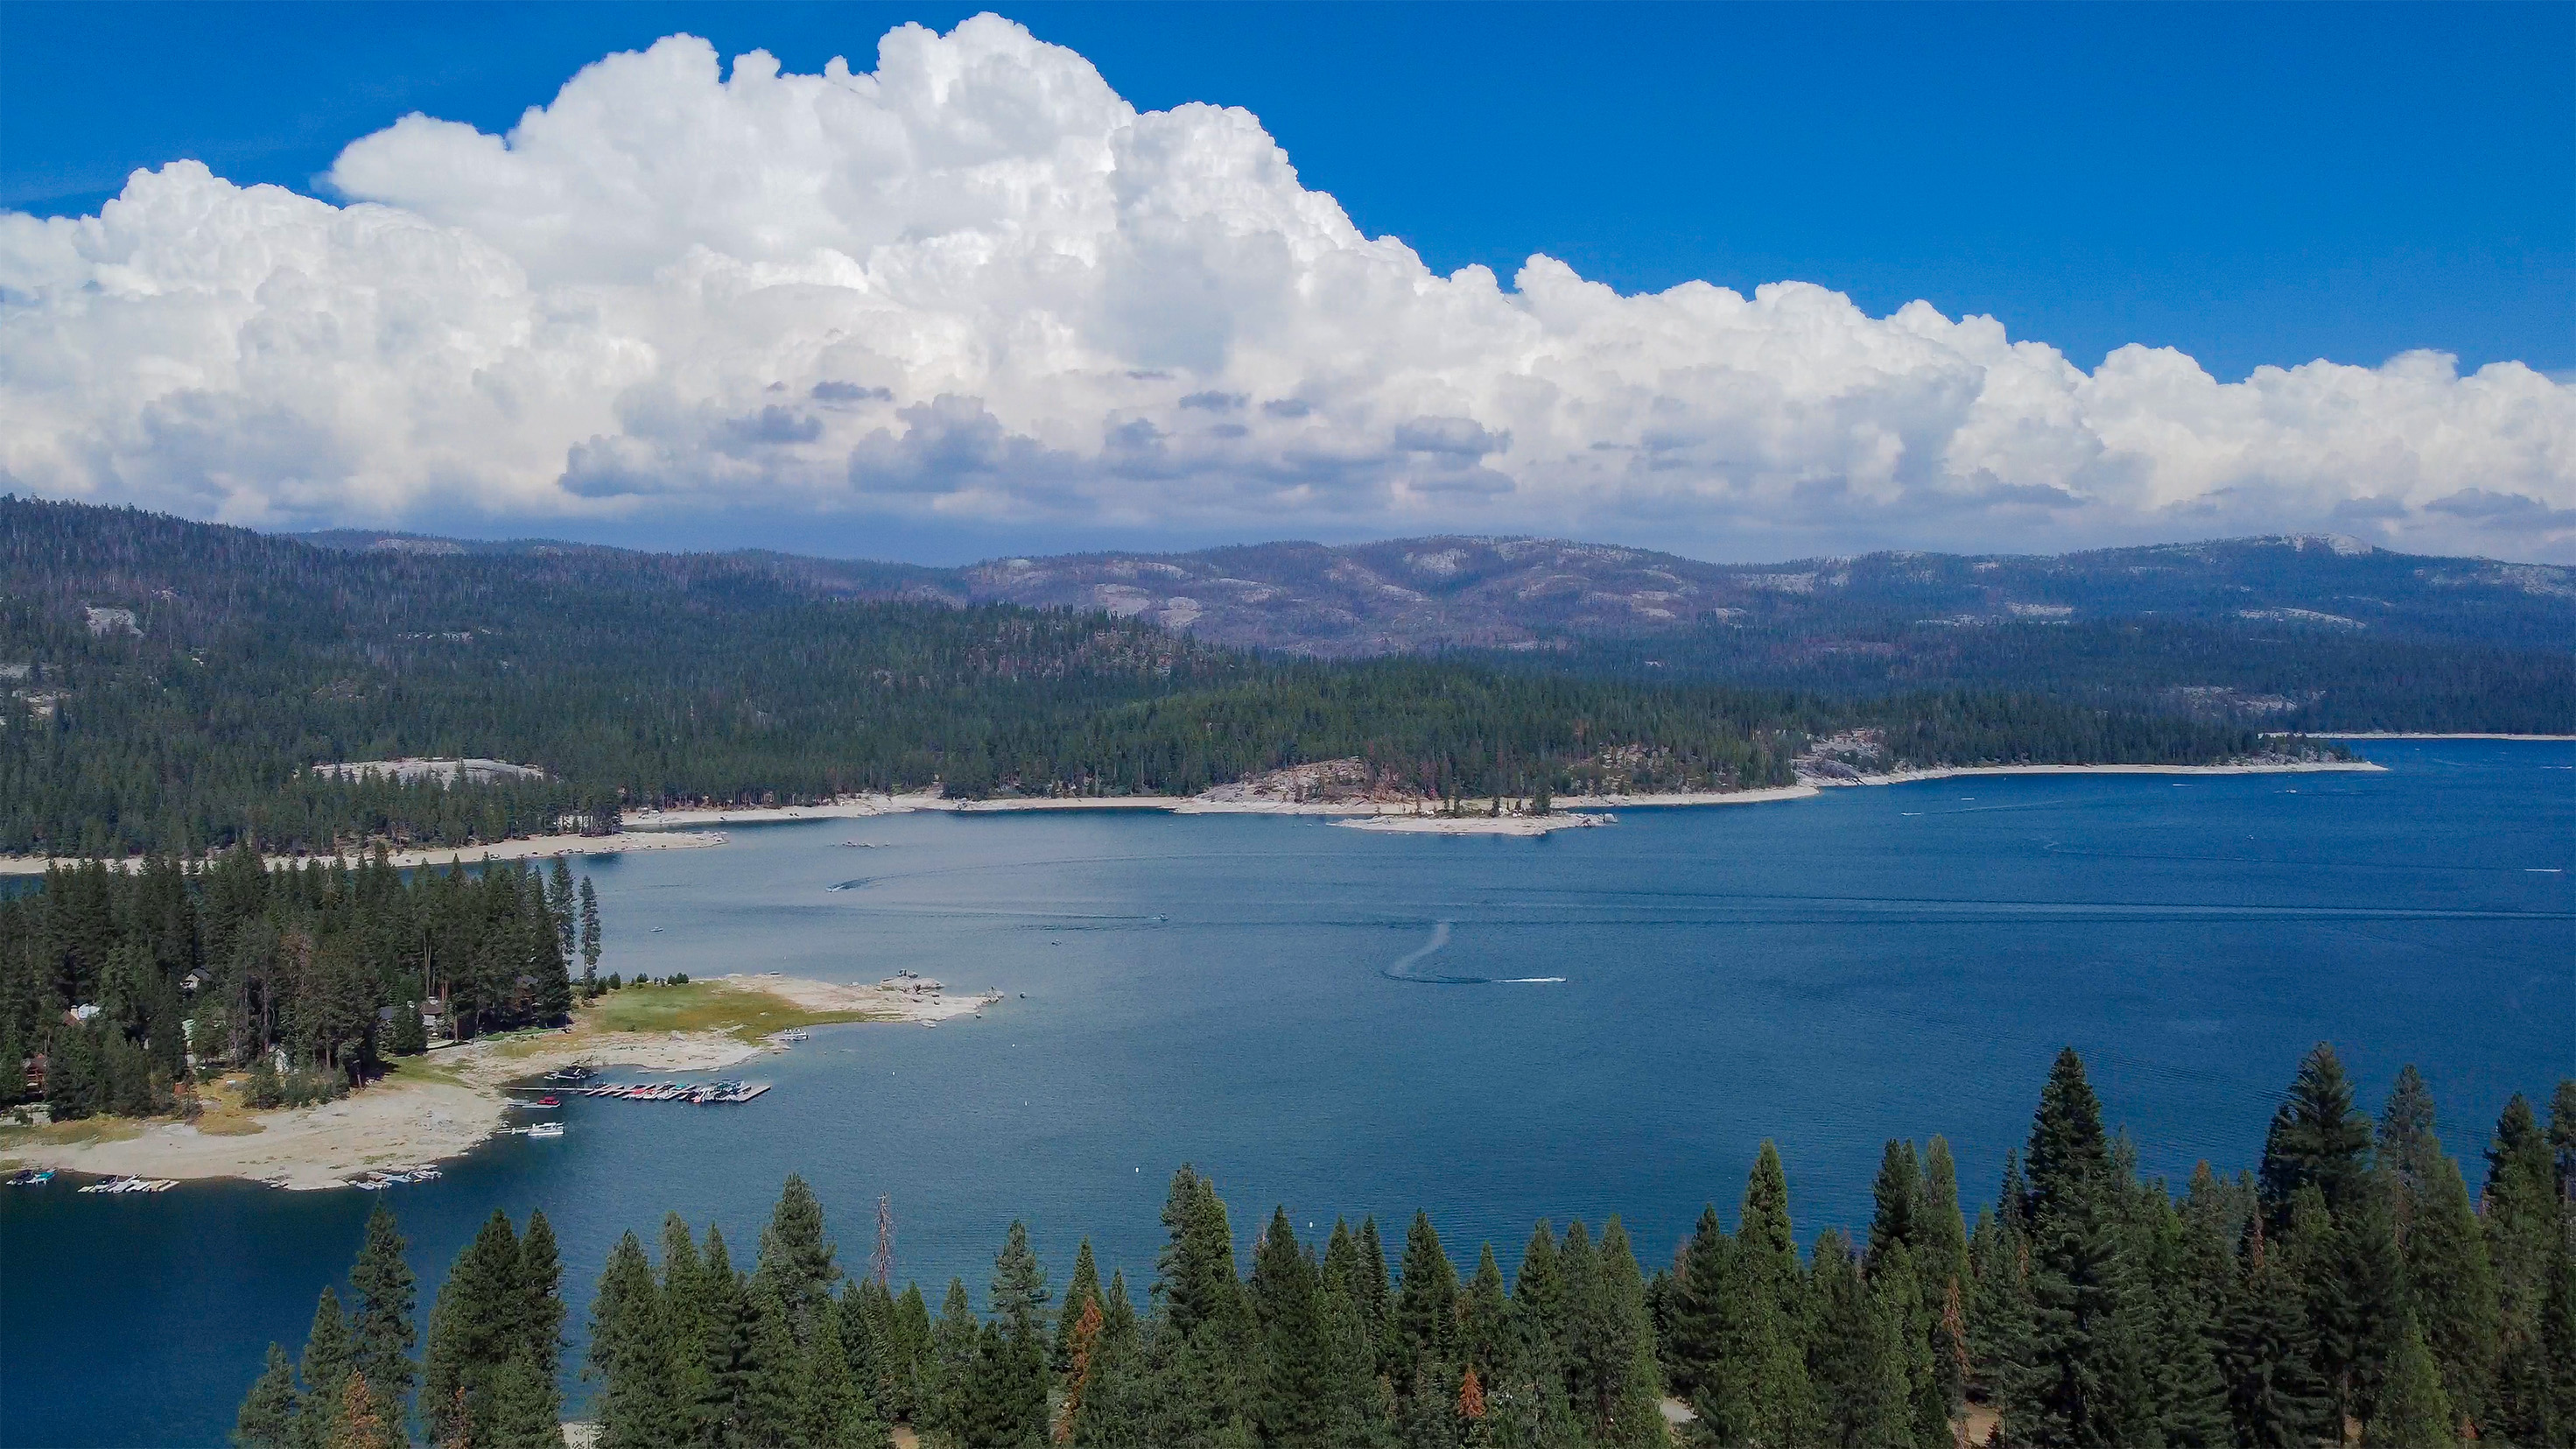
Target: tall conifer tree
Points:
x,y
267,1417
328,1354
387,1300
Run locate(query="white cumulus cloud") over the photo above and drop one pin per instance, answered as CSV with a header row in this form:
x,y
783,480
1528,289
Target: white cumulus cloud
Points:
x,y
975,285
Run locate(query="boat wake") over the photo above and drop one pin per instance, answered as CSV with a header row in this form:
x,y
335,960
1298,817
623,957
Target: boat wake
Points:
x,y
1402,968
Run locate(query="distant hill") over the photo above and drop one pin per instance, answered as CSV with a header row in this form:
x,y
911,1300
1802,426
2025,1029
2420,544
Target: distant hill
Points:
x,y
1446,592
174,685
2297,632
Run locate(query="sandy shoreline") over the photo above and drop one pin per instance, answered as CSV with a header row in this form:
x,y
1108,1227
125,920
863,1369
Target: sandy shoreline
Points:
x,y
1520,825
530,848
443,1105
2389,735
684,829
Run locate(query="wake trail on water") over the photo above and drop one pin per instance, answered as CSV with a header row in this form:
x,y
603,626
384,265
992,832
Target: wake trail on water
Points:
x,y
1402,968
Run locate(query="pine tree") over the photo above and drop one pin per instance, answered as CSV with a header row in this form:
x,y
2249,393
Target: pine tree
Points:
x,y
770,1412
2272,1392
1426,1299
589,931
1945,1272
832,1410
1538,1298
1083,1289
948,1369
559,905
725,1345
796,1258
1085,1360
1485,1317
2180,1268
477,1325
267,1417
2413,1412
1018,1376
541,1298
2523,1223
2077,1377
2370,1274
1853,1359
630,1352
1197,1264
1700,1286
1376,1294
382,1329
1020,1292
361,1422
2407,1143
328,1355
524,1410
2315,1137
1295,1398
1897,1196
1631,1387
696,1402
1761,1395
2449,1277
2557,1348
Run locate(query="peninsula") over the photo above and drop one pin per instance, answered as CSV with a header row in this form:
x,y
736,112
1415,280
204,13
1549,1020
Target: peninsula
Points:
x,y
443,1103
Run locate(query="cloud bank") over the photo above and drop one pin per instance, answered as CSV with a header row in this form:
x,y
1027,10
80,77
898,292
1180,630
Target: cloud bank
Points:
x,y
977,286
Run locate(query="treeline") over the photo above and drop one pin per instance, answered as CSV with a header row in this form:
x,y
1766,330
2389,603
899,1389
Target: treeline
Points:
x,y
636,680
2278,676
2349,1287
118,988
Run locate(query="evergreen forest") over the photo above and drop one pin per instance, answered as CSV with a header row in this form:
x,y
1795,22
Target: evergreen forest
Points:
x,y
170,687
119,989
2349,1289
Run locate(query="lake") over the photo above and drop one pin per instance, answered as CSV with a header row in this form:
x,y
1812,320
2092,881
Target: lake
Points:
x,y
1247,994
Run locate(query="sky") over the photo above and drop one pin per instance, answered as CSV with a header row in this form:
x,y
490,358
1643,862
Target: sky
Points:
x,y
1175,275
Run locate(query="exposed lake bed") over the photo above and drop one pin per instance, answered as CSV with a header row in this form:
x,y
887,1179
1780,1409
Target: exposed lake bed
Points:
x,y
1216,989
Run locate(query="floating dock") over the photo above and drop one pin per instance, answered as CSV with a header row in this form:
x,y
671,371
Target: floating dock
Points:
x,y
696,1094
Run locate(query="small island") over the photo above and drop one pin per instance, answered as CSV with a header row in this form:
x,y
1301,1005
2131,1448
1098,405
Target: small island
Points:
x,y
443,1102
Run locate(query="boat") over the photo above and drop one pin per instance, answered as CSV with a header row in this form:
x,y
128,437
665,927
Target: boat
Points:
x,y
32,1177
546,1129
549,1102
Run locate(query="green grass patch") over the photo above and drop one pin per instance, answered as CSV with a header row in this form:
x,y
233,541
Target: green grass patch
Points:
x,y
425,1068
708,1006
72,1134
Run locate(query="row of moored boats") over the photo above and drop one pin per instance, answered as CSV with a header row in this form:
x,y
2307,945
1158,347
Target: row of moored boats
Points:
x,y
697,1094
133,1184
383,1178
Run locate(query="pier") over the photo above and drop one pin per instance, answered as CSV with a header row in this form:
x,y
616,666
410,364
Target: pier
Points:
x,y
696,1094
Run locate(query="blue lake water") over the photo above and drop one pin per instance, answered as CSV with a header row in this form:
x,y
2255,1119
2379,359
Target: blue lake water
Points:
x,y
1226,991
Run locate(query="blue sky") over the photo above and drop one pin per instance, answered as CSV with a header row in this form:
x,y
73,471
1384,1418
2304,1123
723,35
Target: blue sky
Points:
x,y
2249,184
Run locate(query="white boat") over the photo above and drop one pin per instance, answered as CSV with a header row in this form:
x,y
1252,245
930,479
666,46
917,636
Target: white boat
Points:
x,y
546,1129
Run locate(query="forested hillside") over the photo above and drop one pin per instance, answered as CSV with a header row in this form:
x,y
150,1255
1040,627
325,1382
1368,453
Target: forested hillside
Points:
x,y
2349,1282
174,683
2289,633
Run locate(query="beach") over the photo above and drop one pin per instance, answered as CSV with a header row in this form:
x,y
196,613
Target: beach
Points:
x,y
533,847
685,829
444,1103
